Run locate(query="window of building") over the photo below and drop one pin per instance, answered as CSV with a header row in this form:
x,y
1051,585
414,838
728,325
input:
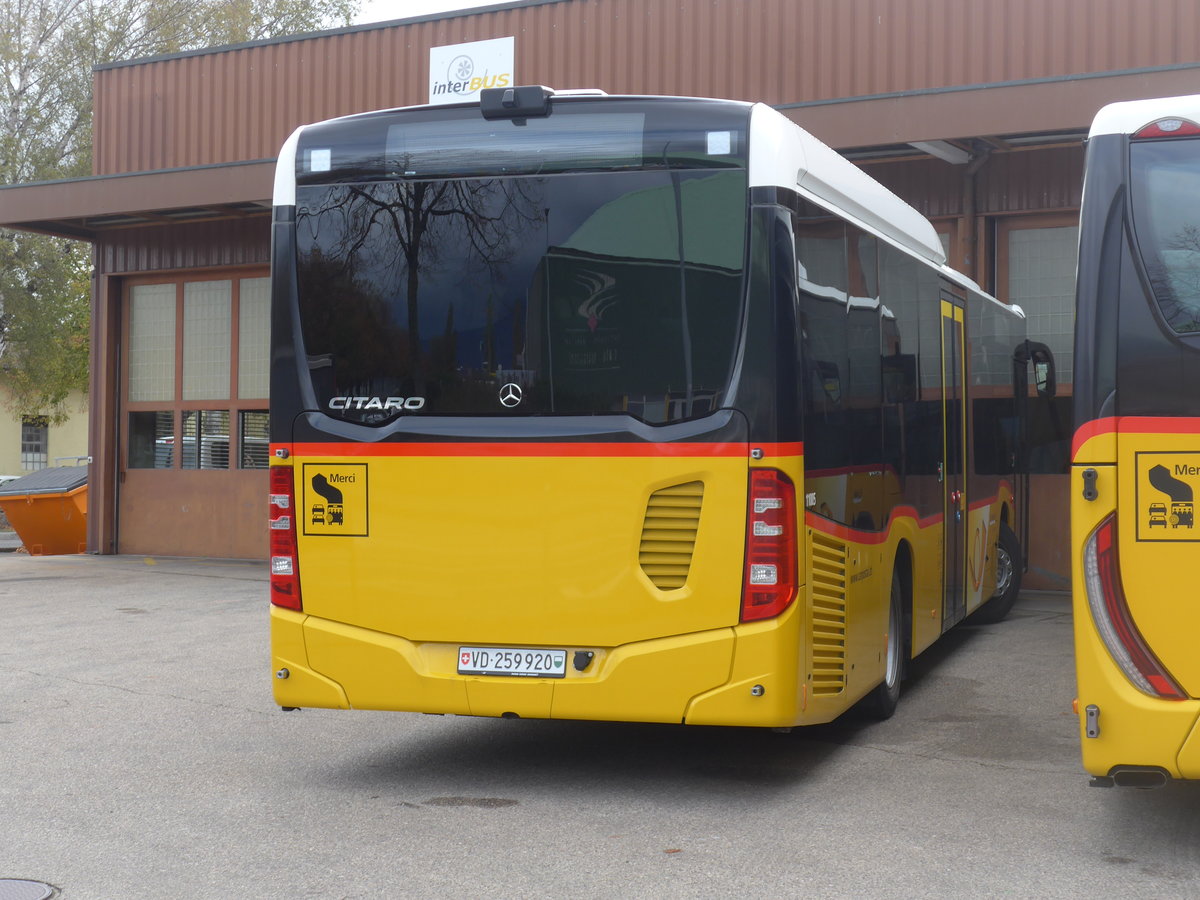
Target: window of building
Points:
x,y
35,443
1038,274
197,373
1036,270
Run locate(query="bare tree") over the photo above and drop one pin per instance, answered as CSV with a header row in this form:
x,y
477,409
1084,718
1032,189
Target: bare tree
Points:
x,y
48,49
418,220
1175,279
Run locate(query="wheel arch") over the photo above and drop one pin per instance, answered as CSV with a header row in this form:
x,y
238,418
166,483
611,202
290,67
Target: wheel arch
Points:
x,y
1005,518
902,565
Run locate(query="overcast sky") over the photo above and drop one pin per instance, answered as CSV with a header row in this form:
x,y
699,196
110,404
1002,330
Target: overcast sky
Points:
x,y
385,10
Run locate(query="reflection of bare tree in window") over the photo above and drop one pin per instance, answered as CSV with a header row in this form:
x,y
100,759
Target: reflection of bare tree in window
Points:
x,y
359,319
410,226
1175,279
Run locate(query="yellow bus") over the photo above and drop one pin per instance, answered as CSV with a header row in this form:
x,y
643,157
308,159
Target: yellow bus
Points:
x,y
623,408
1136,451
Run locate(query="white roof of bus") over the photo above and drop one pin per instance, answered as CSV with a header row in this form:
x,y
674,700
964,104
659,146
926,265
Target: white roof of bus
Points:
x,y
782,154
1131,116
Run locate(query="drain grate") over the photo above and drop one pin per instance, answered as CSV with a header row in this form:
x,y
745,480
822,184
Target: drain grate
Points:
x,y
24,889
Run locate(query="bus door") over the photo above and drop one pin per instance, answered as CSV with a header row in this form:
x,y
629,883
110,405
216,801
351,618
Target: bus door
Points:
x,y
950,469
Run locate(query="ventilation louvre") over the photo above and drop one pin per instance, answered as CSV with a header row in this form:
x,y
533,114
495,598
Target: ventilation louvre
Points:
x,y
669,534
828,614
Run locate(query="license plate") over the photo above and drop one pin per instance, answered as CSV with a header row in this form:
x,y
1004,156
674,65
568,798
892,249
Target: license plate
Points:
x,y
512,661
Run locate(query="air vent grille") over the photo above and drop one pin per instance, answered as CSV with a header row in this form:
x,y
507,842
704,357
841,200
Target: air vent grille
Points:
x,y
828,614
669,534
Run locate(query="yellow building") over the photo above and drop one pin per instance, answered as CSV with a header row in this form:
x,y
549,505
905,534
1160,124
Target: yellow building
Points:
x,y
29,443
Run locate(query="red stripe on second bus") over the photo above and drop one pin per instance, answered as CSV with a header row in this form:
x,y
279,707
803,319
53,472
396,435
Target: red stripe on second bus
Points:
x,y
569,449
1132,425
846,533
857,536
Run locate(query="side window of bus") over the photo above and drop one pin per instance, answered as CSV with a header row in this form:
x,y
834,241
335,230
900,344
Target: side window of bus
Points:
x,y
994,417
821,279
842,337
864,370
911,376
864,396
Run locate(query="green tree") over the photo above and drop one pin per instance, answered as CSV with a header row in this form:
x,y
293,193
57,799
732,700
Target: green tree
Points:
x,y
47,51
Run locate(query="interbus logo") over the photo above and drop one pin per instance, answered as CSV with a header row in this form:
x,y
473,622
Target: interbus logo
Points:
x,y
460,80
459,72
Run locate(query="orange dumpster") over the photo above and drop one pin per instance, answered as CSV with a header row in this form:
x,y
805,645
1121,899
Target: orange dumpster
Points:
x,y
48,509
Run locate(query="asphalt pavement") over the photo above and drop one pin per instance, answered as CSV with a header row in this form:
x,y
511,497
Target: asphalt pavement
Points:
x,y
141,756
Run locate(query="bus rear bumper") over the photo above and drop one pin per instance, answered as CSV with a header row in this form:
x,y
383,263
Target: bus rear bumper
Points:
x,y
1136,732
295,683
740,675
1189,756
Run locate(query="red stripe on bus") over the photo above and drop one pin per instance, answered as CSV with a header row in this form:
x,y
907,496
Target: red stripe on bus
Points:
x,y
1158,425
995,498
846,533
1089,430
858,536
677,449
1132,425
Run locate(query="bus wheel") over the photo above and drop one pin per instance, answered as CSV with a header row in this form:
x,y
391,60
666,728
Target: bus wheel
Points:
x,y
881,702
1008,579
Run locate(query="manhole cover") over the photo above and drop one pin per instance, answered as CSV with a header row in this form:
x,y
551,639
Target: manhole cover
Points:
x,y
23,889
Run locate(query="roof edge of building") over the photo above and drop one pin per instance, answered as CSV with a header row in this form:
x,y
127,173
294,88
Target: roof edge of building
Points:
x,y
329,32
82,207
988,85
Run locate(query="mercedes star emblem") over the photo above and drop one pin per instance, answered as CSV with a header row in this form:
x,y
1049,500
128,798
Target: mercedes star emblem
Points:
x,y
510,394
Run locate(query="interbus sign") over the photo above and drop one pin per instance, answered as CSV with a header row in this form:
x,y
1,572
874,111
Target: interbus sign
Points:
x,y
458,73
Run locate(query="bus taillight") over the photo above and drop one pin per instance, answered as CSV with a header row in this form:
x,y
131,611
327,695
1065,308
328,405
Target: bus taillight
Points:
x,y
769,583
1110,612
1169,128
285,577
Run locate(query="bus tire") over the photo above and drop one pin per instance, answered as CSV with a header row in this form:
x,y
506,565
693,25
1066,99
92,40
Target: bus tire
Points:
x,y
881,702
1008,579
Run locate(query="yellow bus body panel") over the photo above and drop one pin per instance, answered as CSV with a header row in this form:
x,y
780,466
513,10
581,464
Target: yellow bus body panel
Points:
x,y
928,583
752,674
546,552
765,682
1189,756
521,551
1159,541
650,681
428,554
296,684
1135,729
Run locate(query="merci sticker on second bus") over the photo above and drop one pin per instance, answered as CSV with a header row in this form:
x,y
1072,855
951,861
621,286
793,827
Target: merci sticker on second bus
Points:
x,y
1167,484
333,499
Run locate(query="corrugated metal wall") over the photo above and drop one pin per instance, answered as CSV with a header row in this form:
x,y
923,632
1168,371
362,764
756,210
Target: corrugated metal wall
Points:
x,y
228,242
1049,179
241,104
1008,183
